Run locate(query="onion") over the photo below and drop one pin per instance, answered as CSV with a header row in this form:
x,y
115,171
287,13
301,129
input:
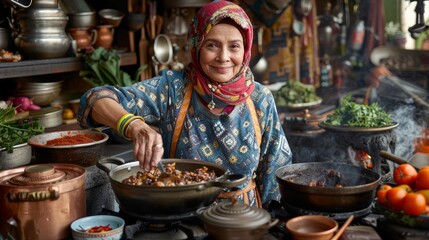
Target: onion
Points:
x,y
23,104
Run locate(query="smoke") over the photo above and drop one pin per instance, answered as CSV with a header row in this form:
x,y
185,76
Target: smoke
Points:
x,y
409,128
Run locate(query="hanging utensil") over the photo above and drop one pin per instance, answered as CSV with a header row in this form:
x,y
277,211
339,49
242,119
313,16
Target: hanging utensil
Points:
x,y
177,26
143,48
262,64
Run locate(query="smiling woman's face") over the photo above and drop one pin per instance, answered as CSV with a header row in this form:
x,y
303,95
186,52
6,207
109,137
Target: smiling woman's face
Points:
x,y
222,53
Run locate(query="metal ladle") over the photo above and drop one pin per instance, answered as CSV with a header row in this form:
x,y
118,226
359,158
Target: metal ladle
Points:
x,y
262,64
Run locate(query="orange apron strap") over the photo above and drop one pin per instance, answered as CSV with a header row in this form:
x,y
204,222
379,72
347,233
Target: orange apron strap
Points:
x,y
255,121
180,120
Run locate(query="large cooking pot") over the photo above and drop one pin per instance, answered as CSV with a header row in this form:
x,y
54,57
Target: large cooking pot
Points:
x,y
165,201
42,199
346,188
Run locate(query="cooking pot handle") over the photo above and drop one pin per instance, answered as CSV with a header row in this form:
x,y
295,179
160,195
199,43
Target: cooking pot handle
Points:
x,y
101,164
227,181
264,228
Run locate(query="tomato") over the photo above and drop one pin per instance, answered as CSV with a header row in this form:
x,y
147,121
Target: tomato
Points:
x,y
425,193
405,174
406,187
394,197
422,181
381,194
414,204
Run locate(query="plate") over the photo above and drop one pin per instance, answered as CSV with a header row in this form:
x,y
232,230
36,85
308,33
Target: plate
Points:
x,y
356,129
297,106
401,218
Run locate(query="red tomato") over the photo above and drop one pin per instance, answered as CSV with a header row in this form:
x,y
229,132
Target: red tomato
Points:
x,y
394,197
422,181
381,194
405,174
414,204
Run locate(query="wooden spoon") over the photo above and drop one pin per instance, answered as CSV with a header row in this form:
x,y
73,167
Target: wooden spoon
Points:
x,y
343,228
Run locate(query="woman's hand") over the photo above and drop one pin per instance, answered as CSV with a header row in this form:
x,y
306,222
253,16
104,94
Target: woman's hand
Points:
x,y
147,144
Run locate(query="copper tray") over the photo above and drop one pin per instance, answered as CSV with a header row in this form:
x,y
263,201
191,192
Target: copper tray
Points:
x,y
356,129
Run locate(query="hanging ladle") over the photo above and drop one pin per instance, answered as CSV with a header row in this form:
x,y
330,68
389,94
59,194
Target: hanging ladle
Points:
x,y
262,64
420,25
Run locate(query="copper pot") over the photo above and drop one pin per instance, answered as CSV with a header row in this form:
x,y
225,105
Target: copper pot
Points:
x,y
42,199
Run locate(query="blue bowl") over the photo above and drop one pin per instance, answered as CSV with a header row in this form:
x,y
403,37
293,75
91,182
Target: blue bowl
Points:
x,y
81,226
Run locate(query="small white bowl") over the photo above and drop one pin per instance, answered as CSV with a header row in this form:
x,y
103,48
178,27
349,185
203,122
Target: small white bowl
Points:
x,y
86,223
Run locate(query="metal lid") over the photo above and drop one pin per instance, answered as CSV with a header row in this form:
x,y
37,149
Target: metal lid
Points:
x,y
41,174
235,215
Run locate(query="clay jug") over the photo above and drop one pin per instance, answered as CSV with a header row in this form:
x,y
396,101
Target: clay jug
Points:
x,y
104,36
84,37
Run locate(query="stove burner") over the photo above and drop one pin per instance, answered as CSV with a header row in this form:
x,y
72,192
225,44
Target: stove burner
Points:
x,y
340,217
160,218
176,231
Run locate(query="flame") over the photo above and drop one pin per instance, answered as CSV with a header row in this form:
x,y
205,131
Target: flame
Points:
x,y
364,158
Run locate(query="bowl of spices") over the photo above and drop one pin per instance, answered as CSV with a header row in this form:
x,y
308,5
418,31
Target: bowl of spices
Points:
x,y
100,227
81,147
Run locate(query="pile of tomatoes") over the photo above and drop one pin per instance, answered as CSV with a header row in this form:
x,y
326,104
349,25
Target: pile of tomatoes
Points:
x,y
411,192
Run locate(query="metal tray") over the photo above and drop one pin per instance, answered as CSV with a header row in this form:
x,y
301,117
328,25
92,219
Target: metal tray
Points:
x,y
300,106
356,129
400,59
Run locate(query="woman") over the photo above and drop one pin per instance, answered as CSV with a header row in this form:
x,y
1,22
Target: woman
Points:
x,y
212,111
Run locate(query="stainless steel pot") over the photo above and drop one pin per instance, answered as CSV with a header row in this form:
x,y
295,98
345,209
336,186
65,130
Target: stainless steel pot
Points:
x,y
20,156
346,187
166,201
43,200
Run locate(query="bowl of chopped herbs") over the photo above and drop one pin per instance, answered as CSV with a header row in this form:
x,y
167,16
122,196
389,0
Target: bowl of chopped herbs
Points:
x,y
355,117
14,133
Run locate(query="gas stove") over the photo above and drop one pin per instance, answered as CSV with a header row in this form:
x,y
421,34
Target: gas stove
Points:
x,y
189,226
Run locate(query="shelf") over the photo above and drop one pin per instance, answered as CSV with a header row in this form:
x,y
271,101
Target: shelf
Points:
x,y
52,66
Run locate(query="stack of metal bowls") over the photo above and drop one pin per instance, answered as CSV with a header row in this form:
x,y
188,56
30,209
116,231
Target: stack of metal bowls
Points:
x,y
41,91
40,30
80,14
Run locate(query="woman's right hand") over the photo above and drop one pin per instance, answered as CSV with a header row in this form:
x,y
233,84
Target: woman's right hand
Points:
x,y
147,144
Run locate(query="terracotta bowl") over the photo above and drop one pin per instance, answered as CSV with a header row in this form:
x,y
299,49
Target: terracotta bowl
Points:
x,y
312,227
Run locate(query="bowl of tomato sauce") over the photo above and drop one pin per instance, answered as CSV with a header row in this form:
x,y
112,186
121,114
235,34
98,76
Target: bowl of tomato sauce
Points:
x,y
100,227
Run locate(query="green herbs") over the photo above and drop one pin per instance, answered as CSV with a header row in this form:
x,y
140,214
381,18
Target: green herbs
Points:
x,y
101,67
295,92
353,114
14,132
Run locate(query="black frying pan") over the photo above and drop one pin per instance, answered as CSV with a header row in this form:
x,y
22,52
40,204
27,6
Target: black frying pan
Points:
x,y
346,187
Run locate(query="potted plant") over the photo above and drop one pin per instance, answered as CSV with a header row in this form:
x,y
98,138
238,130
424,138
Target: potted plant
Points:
x,y
102,67
394,35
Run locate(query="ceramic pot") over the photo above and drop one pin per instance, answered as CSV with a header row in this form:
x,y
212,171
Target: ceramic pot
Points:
x,y
233,220
104,36
84,37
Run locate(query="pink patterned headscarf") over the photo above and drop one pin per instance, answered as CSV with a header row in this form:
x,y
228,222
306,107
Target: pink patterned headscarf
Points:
x,y
239,88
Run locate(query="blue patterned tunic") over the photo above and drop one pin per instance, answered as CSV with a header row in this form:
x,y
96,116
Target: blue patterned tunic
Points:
x,y
226,139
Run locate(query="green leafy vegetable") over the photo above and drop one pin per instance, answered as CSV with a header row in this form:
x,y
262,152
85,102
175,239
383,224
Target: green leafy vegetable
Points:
x,y
102,67
14,132
352,114
295,92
